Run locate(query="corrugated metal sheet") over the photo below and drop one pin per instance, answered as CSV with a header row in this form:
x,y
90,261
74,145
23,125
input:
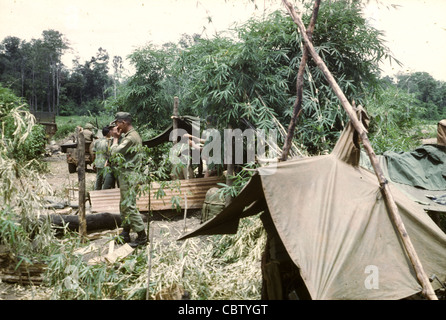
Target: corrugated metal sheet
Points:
x,y
161,198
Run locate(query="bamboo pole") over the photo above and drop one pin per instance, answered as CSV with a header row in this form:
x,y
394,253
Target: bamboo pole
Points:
x,y
427,289
297,107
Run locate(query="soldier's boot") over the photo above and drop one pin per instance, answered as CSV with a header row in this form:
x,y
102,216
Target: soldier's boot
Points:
x,y
123,237
140,240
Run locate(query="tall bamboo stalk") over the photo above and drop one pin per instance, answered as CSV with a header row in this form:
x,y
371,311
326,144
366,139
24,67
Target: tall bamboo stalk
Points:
x,y
427,290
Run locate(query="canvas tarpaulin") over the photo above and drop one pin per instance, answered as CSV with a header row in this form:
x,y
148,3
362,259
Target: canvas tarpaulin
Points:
x,y
424,167
333,221
184,122
430,196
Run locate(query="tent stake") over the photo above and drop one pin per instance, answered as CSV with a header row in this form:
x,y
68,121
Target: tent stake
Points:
x,y
427,291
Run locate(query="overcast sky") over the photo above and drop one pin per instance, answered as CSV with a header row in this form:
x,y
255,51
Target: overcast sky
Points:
x,y
415,29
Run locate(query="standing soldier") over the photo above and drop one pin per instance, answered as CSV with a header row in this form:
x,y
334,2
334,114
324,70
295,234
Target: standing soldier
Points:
x,y
88,133
101,154
128,148
109,171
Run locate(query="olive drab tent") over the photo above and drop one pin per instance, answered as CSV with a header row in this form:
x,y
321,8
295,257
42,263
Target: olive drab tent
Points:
x,y
420,174
329,215
186,123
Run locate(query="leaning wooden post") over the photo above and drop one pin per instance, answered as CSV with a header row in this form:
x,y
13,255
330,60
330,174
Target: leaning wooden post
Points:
x,y
81,179
428,291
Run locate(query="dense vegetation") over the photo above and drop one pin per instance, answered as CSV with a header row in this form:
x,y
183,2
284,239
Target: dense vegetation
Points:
x,y
34,71
247,75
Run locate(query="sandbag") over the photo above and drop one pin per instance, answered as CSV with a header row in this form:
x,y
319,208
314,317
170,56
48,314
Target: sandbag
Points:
x,y
214,202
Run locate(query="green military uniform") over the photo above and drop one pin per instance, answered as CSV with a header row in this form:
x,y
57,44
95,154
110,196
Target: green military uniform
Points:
x,y
127,179
109,171
100,148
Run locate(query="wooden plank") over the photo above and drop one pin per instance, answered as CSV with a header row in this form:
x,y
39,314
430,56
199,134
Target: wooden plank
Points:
x,y
195,189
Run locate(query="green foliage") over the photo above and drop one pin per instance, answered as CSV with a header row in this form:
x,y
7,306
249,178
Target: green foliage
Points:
x,y
394,113
248,75
34,146
431,94
22,187
251,73
212,268
22,139
86,87
33,69
71,277
148,93
349,46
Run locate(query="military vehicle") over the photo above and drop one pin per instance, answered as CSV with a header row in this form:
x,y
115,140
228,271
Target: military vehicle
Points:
x,y
48,120
70,148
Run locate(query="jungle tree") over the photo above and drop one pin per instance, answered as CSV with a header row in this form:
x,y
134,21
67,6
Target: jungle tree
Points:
x,y
33,69
430,92
250,72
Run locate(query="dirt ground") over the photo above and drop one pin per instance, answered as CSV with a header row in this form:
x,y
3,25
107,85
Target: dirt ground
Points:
x,y
65,199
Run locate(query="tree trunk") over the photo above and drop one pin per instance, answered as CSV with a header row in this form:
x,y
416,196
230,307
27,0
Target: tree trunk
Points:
x,y
58,85
93,222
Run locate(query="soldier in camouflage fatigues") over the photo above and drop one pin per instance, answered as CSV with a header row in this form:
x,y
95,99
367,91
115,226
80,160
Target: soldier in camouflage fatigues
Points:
x,y
128,147
110,177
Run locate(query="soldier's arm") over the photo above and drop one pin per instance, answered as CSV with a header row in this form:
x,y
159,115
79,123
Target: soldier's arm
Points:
x,y
122,147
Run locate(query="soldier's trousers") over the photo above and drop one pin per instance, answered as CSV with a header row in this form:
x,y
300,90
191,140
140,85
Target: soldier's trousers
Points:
x,y
109,179
131,218
99,179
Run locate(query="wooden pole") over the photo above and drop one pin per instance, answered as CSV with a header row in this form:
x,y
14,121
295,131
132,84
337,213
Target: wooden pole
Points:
x,y
175,115
81,179
297,107
427,290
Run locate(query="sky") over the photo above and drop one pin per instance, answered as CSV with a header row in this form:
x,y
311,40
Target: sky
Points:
x,y
415,30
